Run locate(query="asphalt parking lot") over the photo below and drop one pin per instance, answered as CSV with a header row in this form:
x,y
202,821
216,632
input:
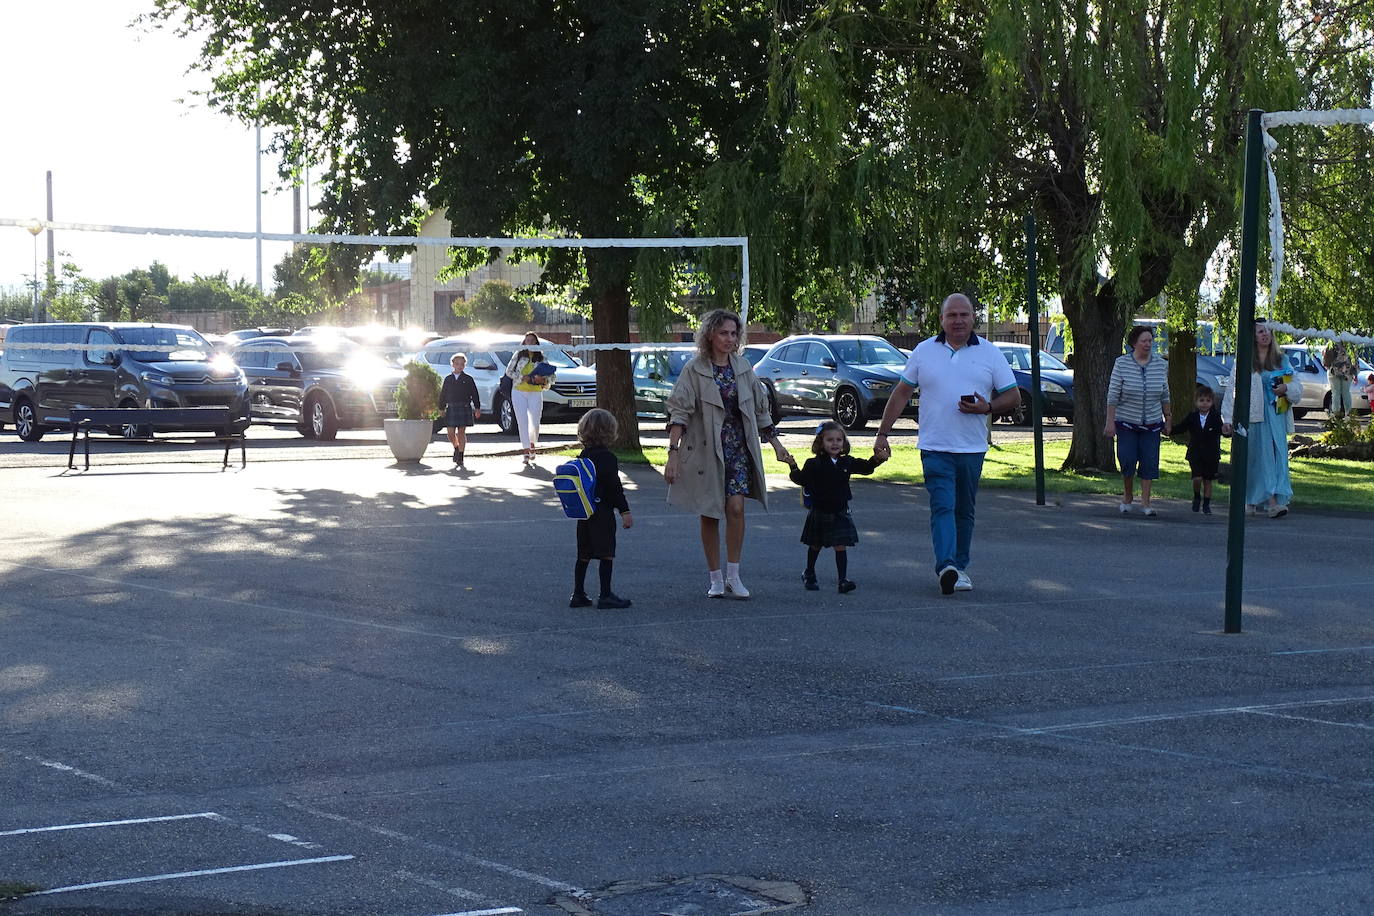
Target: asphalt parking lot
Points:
x,y
329,684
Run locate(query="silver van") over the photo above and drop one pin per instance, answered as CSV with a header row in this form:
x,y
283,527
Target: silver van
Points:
x,y
48,369
572,393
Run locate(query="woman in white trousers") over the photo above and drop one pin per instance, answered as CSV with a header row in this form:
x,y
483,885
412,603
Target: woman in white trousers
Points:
x,y
527,392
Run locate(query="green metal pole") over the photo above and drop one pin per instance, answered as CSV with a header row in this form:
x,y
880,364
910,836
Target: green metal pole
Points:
x,y
1033,310
1245,348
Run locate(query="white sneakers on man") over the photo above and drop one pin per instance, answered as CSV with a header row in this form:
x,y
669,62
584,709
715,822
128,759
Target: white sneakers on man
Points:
x,y
716,589
963,583
948,577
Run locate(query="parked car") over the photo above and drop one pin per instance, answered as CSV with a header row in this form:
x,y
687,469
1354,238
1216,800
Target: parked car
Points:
x,y
391,344
844,376
1316,385
752,352
320,386
655,369
89,364
1056,383
242,334
572,393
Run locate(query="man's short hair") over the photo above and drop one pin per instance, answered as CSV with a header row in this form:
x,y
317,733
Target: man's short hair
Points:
x,y
953,296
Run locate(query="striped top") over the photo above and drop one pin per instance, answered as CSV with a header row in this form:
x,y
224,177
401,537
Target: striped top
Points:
x,y
1139,392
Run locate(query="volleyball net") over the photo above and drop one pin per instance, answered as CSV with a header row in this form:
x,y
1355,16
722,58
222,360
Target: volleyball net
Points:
x,y
408,241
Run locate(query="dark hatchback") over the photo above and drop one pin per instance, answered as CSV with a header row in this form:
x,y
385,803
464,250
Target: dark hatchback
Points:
x,y
319,385
1056,383
844,376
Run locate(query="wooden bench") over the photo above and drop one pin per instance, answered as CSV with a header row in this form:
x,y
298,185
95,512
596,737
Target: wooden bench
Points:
x,y
217,420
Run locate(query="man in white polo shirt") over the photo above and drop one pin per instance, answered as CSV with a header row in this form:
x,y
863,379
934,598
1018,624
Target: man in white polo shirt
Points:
x,y
962,380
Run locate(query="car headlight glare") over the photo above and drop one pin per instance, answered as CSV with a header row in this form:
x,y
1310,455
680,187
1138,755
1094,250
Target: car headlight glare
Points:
x,y
873,384
156,378
1049,387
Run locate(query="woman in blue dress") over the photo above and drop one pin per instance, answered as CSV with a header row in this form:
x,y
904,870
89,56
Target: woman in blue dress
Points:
x,y
1273,391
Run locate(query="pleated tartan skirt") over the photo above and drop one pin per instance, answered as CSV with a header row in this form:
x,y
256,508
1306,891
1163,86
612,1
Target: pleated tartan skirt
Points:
x,y
829,529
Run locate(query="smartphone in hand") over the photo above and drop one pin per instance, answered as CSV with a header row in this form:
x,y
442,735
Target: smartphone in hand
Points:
x,y
969,398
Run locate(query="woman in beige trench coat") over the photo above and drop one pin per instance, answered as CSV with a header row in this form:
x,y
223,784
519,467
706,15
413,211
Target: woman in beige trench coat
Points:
x,y
717,416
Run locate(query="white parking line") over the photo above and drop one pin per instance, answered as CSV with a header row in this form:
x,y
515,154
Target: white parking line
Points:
x,y
1277,715
279,837
64,768
501,912
133,820
1197,713
504,869
461,893
187,874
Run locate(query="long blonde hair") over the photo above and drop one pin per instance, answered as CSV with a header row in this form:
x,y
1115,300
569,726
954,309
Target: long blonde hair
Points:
x,y
710,324
1275,357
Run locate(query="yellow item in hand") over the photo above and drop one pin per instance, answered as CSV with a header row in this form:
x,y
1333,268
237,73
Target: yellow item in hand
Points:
x,y
1282,404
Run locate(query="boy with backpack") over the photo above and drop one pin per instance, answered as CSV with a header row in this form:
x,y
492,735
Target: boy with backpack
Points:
x,y
596,532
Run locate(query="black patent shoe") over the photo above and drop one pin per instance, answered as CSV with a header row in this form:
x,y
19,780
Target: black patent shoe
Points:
x,y
579,600
809,581
612,602
847,585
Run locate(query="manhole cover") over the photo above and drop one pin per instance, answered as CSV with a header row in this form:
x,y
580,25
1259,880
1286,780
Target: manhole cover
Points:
x,y
699,895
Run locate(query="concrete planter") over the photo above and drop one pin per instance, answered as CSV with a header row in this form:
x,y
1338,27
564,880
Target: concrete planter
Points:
x,y
408,438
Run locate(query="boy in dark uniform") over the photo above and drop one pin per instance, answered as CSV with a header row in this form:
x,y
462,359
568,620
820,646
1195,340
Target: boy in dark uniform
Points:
x,y
1203,427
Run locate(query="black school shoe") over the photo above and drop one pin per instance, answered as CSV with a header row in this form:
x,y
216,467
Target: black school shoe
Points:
x,y
612,602
809,582
847,585
579,600
1197,501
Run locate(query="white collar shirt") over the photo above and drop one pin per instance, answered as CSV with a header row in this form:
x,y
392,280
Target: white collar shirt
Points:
x,y
943,374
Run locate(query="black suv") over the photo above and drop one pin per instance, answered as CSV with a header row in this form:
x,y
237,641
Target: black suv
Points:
x,y
318,384
48,369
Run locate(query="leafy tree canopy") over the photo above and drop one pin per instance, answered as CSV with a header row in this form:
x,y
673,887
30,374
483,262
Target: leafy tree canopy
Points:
x,y
1118,125
593,118
495,307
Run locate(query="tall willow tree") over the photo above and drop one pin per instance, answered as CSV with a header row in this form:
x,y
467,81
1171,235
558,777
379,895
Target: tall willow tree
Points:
x,y
589,118
1118,123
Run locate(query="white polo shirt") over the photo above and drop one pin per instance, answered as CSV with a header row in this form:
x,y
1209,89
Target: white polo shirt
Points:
x,y
943,373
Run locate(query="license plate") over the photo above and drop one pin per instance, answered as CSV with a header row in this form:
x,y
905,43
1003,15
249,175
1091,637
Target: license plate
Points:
x,y
582,402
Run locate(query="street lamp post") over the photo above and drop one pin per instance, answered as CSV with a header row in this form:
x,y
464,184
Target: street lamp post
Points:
x,y
35,228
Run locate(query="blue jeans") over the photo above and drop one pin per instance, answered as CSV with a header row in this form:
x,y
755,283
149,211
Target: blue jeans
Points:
x,y
952,482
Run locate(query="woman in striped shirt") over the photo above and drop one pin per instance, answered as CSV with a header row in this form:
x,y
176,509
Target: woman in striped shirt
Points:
x,y
1137,412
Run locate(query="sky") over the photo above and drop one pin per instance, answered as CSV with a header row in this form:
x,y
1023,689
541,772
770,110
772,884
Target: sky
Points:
x,y
108,108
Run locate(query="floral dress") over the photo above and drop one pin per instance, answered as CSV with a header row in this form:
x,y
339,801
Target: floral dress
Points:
x,y
732,445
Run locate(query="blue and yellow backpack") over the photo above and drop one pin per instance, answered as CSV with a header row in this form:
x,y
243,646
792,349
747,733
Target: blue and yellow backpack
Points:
x,y
575,483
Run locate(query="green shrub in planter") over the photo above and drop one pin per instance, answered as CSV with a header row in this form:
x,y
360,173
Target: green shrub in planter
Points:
x,y
417,397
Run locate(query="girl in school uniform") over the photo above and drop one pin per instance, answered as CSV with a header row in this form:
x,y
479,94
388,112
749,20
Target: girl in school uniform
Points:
x,y
825,479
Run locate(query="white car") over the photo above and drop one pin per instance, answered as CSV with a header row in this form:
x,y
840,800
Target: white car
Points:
x,y
572,393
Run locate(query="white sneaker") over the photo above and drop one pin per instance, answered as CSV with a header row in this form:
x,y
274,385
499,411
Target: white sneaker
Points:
x,y
716,589
735,588
963,583
948,576
1124,508
1149,512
